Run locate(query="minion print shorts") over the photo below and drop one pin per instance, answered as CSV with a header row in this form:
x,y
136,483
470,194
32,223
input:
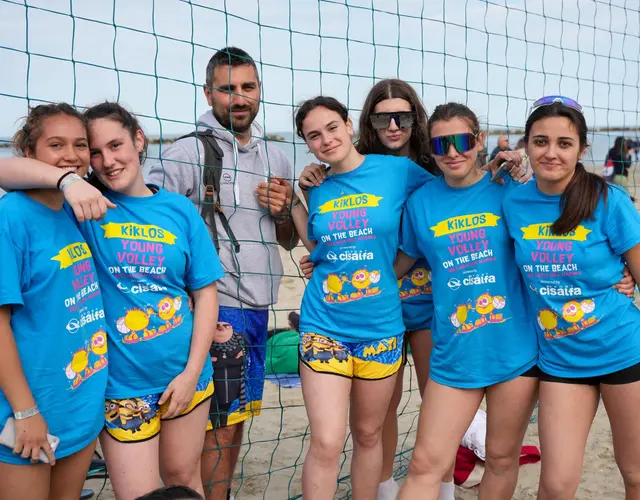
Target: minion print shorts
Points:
x,y
371,360
134,420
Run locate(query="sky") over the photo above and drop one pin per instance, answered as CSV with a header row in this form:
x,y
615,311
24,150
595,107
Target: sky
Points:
x,y
497,56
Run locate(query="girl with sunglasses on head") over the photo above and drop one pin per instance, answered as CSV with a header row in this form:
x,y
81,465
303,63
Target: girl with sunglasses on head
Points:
x,y
483,334
352,333
53,345
151,247
571,244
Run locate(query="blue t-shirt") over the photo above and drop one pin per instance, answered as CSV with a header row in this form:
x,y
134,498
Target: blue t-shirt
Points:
x,y
482,330
586,328
416,297
355,218
148,251
48,277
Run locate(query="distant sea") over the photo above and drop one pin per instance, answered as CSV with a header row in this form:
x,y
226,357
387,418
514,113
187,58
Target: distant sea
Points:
x,y
300,156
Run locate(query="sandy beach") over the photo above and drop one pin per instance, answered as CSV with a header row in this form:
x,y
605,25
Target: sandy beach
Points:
x,y
277,440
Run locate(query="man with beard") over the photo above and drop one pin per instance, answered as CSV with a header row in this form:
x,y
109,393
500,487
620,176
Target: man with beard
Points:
x,y
251,219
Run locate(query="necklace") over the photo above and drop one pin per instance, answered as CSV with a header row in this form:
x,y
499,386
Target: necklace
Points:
x,y
345,179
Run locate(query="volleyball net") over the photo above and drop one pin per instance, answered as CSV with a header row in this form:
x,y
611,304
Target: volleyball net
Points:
x,y
496,56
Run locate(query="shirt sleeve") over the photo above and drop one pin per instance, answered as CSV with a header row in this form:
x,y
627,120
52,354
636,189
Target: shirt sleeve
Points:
x,y
177,171
416,176
204,265
409,240
623,221
12,269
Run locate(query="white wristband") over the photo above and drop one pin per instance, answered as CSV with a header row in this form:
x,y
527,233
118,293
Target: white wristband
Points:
x,y
68,180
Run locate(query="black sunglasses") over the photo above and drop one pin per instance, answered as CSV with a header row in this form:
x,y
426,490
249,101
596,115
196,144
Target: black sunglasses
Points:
x,y
403,119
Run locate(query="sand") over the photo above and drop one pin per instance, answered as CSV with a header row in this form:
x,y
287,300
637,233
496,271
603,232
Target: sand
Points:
x,y
277,440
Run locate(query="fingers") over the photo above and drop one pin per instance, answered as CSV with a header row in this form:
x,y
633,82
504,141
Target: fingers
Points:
x,y
313,175
78,212
166,394
49,453
109,203
304,259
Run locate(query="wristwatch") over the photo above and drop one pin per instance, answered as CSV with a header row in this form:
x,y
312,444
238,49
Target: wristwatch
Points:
x,y
21,415
68,179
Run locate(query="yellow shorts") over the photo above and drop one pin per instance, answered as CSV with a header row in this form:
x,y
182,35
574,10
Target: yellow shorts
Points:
x,y
371,360
138,419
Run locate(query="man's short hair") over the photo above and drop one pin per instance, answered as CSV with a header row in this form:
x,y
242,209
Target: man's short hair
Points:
x,y
229,56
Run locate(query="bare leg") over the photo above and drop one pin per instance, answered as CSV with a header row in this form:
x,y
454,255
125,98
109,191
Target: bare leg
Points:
x,y
134,468
326,399
509,407
565,416
369,403
622,403
24,481
69,473
181,442
215,467
445,415
390,429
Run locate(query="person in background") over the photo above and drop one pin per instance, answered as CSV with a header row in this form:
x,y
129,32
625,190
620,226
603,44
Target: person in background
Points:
x,y
253,219
619,156
53,367
503,145
589,335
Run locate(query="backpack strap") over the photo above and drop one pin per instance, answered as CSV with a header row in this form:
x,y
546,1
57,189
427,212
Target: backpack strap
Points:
x,y
212,171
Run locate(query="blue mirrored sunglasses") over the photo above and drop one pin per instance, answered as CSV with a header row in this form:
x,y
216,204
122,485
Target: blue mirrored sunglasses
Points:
x,y
552,99
461,142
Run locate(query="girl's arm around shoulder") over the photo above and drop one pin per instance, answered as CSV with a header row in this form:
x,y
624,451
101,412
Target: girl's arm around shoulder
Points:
x,y
87,202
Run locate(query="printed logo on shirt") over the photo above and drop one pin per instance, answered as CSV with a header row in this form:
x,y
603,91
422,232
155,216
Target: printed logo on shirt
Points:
x,y
464,223
417,283
553,255
135,324
476,279
132,231
574,316
226,178
543,232
467,240
342,288
351,201
74,324
557,290
88,360
474,315
71,254
350,256
142,287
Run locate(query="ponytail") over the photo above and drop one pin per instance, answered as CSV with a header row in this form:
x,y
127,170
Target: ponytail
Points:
x,y
579,200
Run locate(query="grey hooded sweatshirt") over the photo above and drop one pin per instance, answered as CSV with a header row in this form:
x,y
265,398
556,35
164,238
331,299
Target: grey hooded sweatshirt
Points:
x,y
253,275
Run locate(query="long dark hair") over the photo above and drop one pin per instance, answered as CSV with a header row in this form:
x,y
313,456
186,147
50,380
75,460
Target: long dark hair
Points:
x,y
368,140
581,196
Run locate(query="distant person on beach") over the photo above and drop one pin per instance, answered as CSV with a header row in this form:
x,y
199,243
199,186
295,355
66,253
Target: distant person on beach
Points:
x,y
619,156
252,199
503,145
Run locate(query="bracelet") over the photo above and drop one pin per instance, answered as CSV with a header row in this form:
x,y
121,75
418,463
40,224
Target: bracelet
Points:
x,y
63,176
304,188
22,415
67,181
